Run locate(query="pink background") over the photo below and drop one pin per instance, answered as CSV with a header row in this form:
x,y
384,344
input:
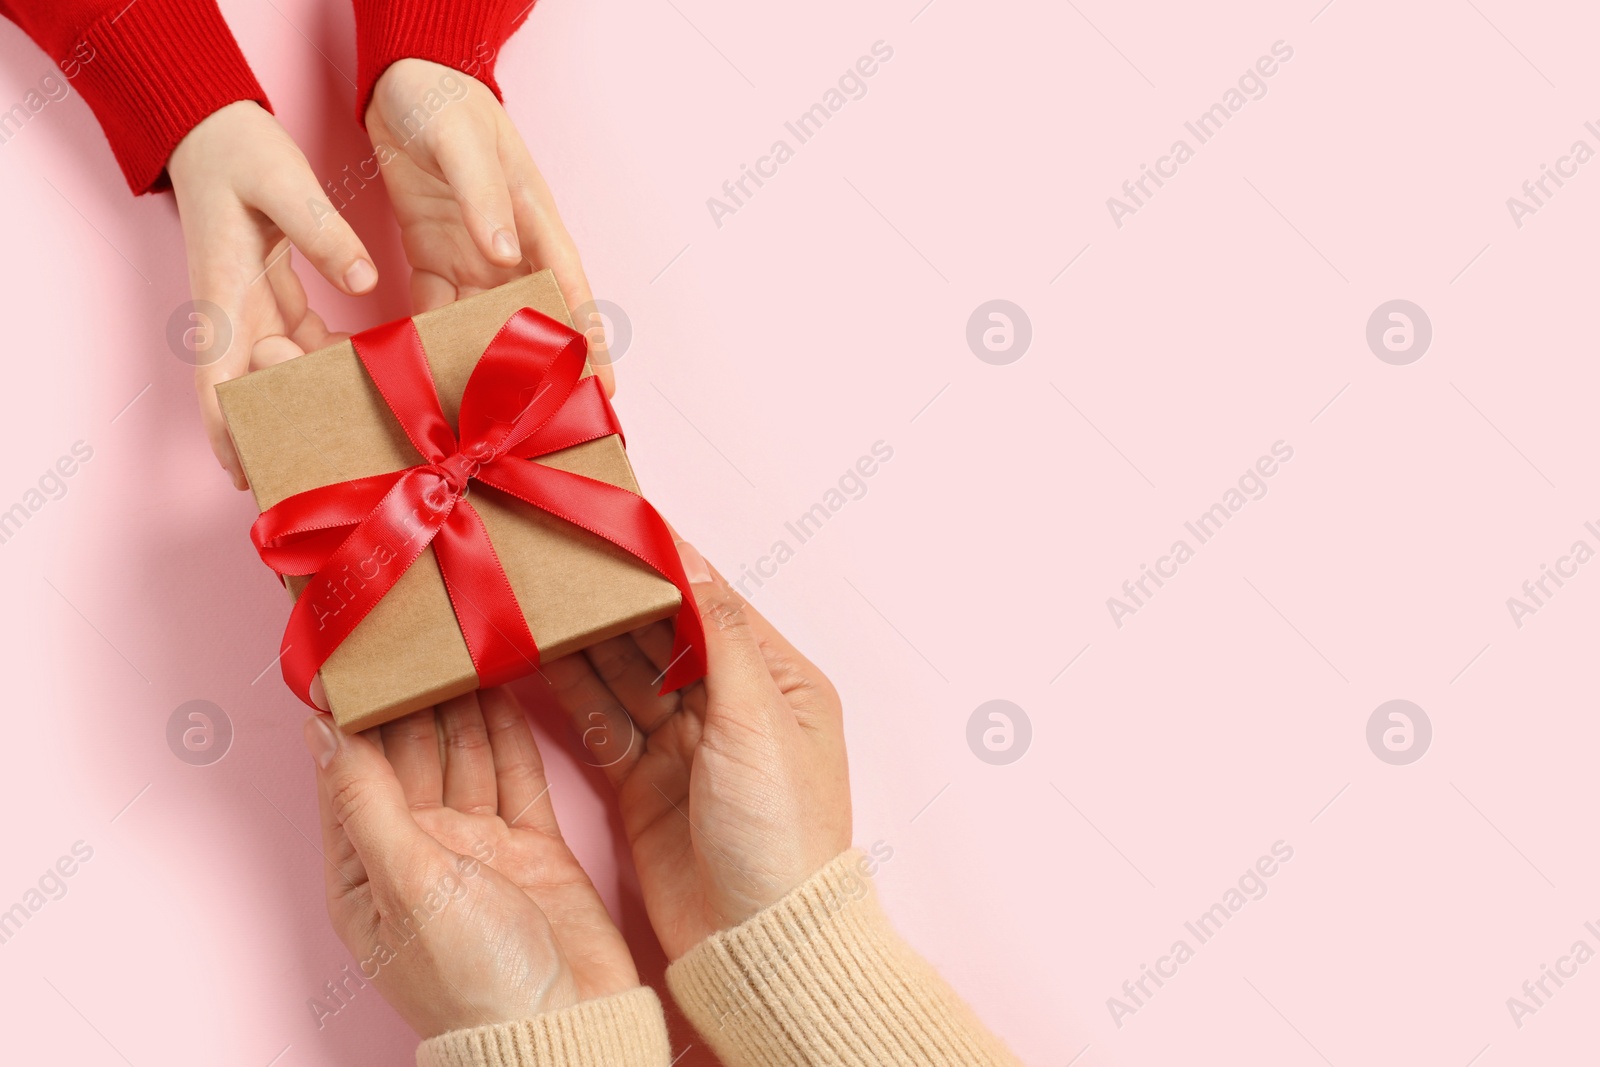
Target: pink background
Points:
x,y
830,313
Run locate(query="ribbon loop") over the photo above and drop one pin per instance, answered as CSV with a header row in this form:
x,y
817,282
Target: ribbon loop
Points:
x,y
525,398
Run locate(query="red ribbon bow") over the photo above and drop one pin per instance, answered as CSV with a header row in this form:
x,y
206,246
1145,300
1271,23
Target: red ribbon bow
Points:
x,y
524,399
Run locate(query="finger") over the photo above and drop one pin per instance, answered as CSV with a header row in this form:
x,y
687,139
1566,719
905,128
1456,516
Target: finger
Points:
x,y
292,199
655,641
301,324
222,287
737,681
548,245
286,287
217,430
429,291
363,801
468,760
594,331
411,743
633,679
313,333
343,873
270,351
523,790
246,317
607,731
808,690
469,158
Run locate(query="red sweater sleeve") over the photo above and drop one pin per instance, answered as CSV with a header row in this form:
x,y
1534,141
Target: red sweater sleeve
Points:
x,y
464,34
150,69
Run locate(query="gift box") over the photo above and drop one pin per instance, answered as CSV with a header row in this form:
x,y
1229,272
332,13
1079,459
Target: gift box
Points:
x,y
449,500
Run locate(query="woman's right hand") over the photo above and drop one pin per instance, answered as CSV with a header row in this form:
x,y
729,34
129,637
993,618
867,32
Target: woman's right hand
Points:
x,y
734,790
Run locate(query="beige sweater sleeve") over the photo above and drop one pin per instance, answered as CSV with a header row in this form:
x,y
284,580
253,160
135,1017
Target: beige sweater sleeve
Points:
x,y
624,1030
818,978
822,978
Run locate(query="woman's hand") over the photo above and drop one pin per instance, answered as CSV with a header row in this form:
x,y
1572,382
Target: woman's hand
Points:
x,y
246,194
474,211
447,876
733,791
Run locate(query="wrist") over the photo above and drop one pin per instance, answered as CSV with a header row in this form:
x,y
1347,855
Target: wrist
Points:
x,y
786,865
463,37
820,915
827,955
559,995
411,91
196,149
151,71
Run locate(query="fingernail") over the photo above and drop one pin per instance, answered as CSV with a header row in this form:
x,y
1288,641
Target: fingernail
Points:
x,y
694,564
505,245
361,276
319,696
322,741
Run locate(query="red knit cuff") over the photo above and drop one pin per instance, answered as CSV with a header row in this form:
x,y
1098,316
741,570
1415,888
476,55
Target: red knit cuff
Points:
x,y
158,67
463,34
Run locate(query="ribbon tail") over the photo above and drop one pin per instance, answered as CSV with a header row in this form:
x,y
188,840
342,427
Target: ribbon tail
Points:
x,y
358,574
626,520
496,632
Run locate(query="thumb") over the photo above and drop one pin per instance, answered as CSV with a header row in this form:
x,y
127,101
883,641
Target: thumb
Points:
x,y
367,826
270,351
469,158
301,209
737,680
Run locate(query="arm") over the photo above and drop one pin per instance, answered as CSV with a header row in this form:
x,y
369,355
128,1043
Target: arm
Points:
x,y
180,107
463,34
737,806
821,977
150,70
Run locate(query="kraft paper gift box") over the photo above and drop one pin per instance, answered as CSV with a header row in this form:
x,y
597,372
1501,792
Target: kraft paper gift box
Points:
x,y
320,419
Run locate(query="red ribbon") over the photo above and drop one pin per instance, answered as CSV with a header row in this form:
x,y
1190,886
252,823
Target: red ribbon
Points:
x,y
356,538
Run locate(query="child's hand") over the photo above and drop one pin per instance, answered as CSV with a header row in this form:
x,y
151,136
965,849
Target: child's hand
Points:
x,y
474,211
245,194
447,876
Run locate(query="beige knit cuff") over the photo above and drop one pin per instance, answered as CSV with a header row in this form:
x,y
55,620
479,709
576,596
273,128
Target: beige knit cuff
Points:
x,y
821,977
622,1030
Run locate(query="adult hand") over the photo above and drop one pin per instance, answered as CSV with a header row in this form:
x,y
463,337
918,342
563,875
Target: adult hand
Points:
x,y
447,877
734,790
474,211
246,194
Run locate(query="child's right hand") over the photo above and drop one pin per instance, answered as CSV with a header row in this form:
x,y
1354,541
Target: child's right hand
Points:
x,y
246,193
